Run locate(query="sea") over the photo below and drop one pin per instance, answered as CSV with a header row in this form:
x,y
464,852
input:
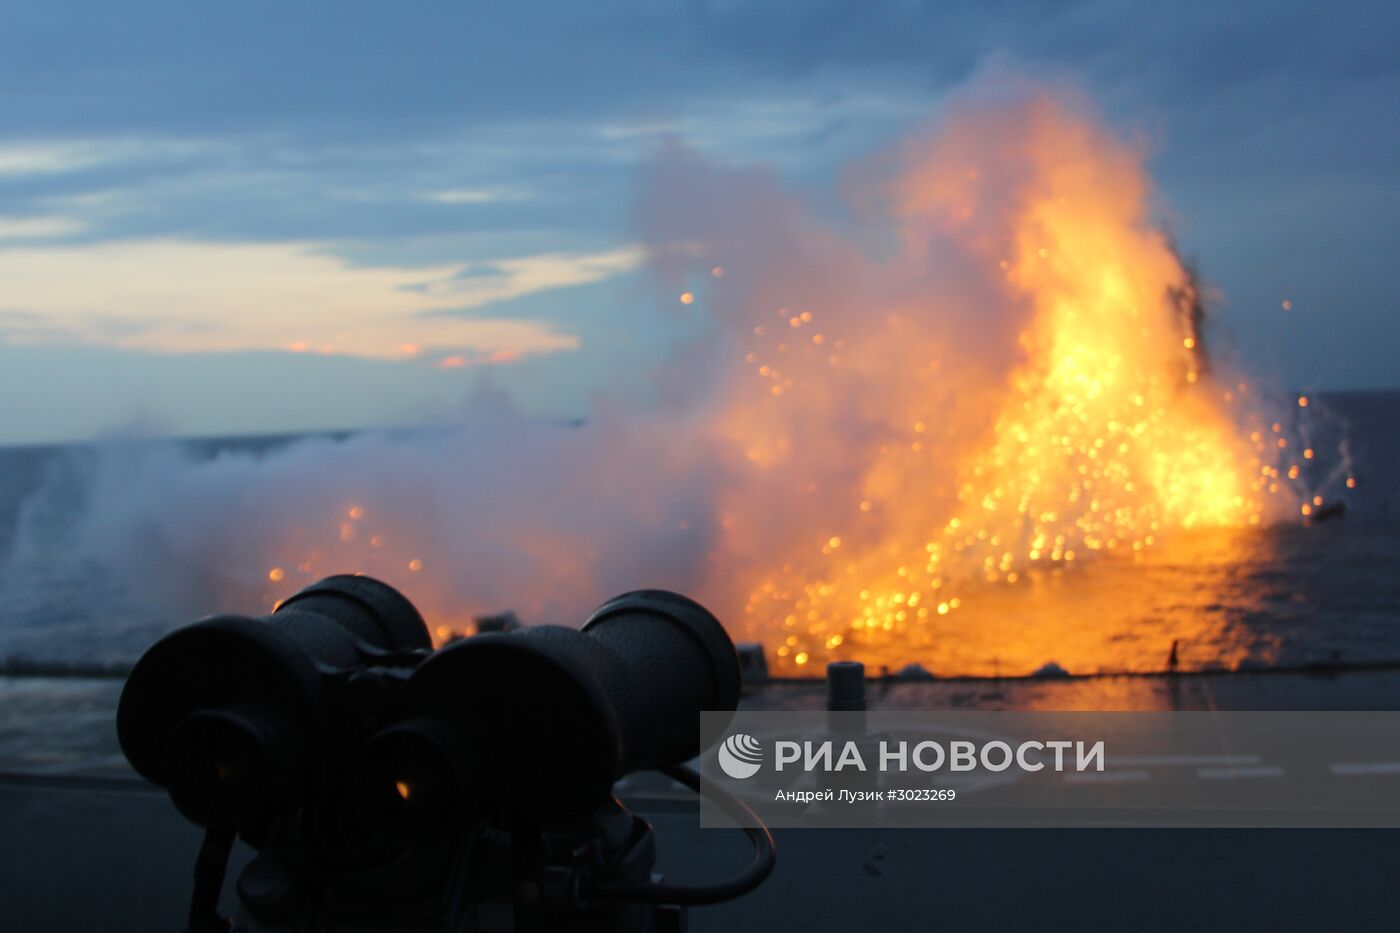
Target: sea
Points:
x,y
1296,593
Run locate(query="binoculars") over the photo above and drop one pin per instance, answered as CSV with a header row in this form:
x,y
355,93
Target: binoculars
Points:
x,y
375,776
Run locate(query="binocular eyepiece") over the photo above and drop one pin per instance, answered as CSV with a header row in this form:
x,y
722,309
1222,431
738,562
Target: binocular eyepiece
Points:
x,y
542,721
233,715
338,694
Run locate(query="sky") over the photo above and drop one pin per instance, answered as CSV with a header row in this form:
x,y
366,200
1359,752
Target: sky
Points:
x,y
221,218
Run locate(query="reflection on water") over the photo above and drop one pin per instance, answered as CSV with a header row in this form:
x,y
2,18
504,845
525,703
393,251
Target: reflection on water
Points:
x,y
1198,589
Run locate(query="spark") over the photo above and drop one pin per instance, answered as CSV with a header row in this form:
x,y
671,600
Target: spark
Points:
x,y
1111,431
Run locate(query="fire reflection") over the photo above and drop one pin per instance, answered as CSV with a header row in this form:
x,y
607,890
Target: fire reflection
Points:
x,y
1125,613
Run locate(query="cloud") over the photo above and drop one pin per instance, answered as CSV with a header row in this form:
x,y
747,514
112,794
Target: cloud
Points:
x,y
44,158
476,284
473,195
40,157
183,296
39,228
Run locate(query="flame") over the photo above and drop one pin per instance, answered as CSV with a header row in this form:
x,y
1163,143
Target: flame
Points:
x,y
1109,432
926,449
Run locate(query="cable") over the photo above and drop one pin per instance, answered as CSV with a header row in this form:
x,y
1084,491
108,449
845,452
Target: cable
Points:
x,y
209,868
764,857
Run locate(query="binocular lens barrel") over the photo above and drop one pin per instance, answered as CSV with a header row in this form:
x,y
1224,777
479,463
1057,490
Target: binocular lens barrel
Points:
x,y
225,761
224,713
543,721
409,782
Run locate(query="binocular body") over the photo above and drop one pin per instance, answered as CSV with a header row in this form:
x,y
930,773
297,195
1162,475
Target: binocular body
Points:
x,y
384,783
239,717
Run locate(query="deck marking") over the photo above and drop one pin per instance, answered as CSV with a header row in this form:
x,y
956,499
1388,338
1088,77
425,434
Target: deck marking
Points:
x,y
1363,768
1106,777
1157,761
1227,774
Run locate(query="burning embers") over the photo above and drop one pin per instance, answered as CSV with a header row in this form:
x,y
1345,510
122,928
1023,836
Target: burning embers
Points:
x,y
1026,383
993,370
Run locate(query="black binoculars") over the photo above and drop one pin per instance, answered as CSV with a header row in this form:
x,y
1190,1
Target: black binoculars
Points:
x,y
337,743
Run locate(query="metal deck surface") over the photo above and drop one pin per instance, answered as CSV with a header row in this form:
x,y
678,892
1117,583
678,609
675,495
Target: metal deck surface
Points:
x,y
86,846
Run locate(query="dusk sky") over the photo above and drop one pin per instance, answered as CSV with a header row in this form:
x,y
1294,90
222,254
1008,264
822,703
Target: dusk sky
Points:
x,y
232,218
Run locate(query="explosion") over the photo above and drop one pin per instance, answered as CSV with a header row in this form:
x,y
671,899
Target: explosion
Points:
x,y
1106,430
1014,382
968,420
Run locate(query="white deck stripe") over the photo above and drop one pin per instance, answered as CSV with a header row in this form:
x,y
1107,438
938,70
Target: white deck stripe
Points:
x,y
1157,761
1369,767
1227,774
1106,777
